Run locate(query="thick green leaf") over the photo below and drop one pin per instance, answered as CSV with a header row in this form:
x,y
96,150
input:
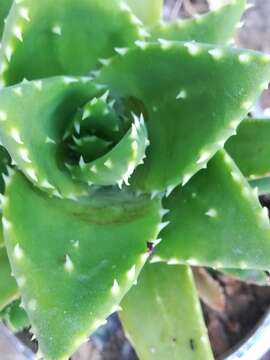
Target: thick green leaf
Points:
x,y
4,9
250,149
221,82
63,37
216,221
162,315
34,117
75,260
216,27
8,287
15,317
149,11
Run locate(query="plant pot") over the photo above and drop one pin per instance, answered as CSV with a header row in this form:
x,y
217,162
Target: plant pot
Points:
x,y
255,347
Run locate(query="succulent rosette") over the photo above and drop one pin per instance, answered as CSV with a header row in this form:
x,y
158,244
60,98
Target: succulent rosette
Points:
x,y
113,125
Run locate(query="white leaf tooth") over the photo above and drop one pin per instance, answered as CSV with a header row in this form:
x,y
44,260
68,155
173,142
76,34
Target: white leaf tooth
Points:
x,y
32,174
18,90
265,214
115,288
24,13
82,162
124,6
143,32
56,29
162,225
235,176
17,31
173,261
21,281
255,192
38,84
240,25
141,44
193,48
69,80
181,95
165,44
6,179
144,257
72,196
186,179
14,133
116,308
120,184
3,199
105,96
18,252
155,259
211,213
8,52
49,140
249,6
193,262
133,132
86,113
45,184
77,127
131,274
32,305
154,193
244,58
69,266
108,163
75,244
203,157
3,115
135,20
246,105
164,212
97,324
136,121
156,242
93,168
104,62
169,190
264,85
216,54
24,154
121,51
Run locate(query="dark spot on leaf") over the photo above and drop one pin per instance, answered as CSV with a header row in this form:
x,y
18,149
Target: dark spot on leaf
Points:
x,y
192,344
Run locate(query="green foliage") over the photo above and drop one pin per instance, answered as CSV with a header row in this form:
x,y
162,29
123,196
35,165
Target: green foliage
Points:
x,y
216,27
251,148
15,317
219,231
92,101
170,317
8,287
4,9
86,268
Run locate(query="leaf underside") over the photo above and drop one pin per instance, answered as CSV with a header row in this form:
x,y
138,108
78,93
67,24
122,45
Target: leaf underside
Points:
x,y
216,220
225,87
85,269
15,317
170,315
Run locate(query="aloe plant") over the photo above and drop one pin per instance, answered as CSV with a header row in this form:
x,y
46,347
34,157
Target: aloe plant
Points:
x,y
115,125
